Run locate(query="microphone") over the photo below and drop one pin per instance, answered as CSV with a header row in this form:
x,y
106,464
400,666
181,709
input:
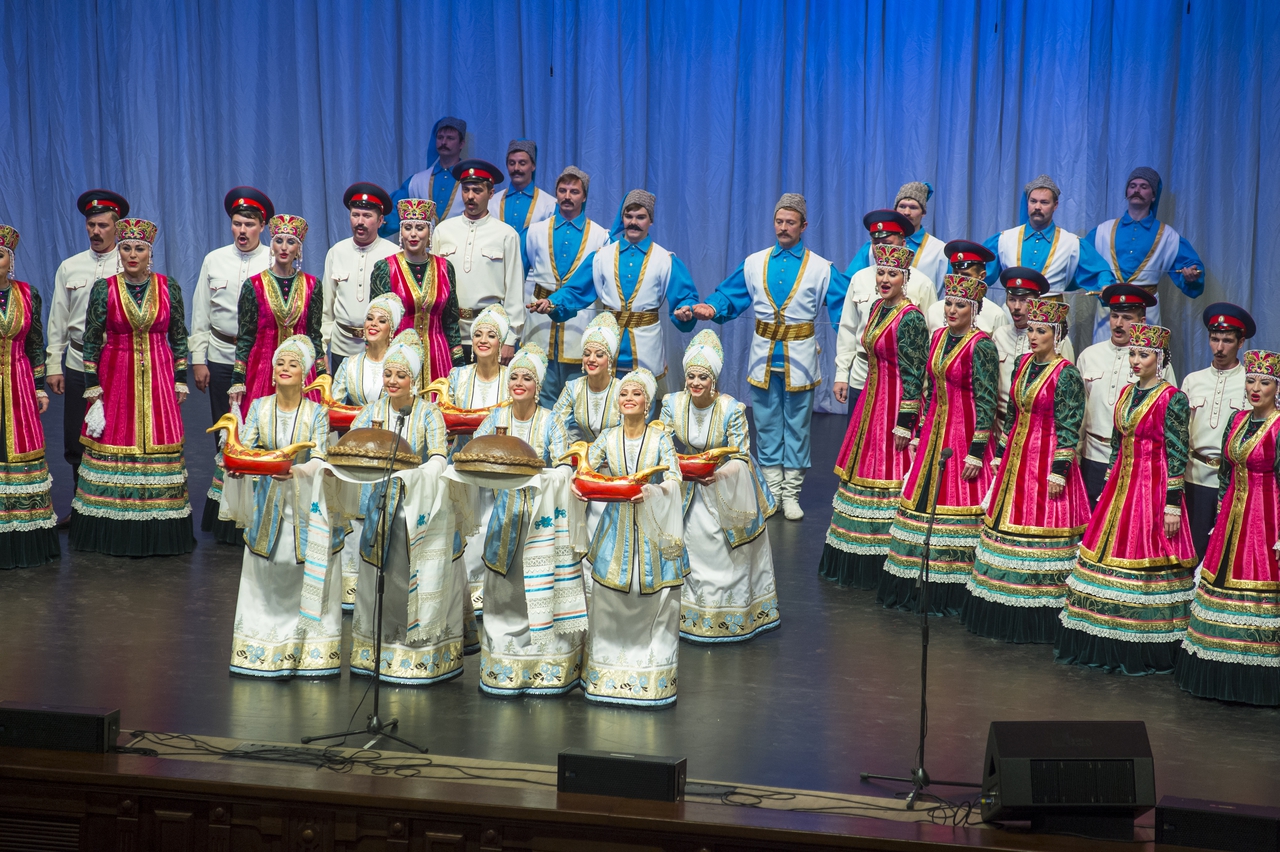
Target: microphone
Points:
x,y
408,409
946,453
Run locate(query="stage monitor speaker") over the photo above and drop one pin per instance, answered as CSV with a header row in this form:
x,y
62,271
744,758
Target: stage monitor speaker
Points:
x,y
629,776
1217,825
61,728
1090,778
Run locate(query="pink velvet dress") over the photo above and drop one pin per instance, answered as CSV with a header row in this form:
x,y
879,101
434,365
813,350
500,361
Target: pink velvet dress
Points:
x,y
1232,648
959,416
870,466
1129,595
424,311
268,318
1029,539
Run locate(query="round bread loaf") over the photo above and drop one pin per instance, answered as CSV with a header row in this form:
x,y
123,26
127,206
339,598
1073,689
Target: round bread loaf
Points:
x,y
498,454
365,448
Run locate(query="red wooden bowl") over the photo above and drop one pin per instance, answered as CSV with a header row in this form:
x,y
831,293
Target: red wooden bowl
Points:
x,y
342,416
692,467
464,422
250,466
608,491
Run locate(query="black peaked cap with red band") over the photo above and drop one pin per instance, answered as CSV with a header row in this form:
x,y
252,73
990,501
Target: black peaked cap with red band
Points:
x,y
888,221
97,201
1224,316
248,196
960,251
368,195
1127,296
1024,278
477,170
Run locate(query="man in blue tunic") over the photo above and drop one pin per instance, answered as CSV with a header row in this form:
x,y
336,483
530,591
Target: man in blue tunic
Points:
x,y
913,198
1141,249
520,203
436,181
785,287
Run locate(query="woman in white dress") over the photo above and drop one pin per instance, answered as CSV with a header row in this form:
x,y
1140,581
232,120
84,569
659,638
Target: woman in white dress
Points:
x,y
358,381
514,659
479,385
729,595
589,404
275,634
422,627
638,563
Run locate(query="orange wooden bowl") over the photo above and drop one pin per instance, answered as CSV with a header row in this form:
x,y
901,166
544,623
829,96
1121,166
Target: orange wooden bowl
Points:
x,y
250,466
608,491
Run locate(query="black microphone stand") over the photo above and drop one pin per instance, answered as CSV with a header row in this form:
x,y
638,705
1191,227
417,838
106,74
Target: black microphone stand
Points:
x,y
919,778
376,727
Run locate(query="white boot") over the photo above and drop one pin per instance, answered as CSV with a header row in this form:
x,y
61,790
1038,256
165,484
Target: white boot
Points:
x,y
773,478
792,479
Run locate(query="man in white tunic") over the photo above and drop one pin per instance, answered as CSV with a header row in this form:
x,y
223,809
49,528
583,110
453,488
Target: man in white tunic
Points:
x,y
485,254
1215,395
436,182
1105,369
1141,249
632,278
912,202
1067,262
520,204
216,315
71,285
347,269
556,249
1020,284
970,260
785,287
853,307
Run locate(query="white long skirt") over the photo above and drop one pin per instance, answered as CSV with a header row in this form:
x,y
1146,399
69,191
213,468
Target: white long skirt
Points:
x,y
271,638
633,642
509,663
349,562
473,553
595,511
729,595
432,662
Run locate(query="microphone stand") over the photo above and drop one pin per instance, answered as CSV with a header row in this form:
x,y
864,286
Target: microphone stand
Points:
x,y
919,779
376,727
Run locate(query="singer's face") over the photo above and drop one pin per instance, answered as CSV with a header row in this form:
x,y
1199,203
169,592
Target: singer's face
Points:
x,y
398,383
377,327
522,384
595,360
699,383
632,400
288,371
485,342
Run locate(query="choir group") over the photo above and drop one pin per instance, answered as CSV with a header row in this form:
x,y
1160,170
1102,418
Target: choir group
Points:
x,y
1085,502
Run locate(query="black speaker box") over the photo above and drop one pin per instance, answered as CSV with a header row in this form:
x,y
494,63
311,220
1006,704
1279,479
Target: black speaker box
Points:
x,y
60,728
630,776
1217,825
1090,778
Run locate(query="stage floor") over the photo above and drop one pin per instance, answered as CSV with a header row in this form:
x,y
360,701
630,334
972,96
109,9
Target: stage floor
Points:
x,y
832,693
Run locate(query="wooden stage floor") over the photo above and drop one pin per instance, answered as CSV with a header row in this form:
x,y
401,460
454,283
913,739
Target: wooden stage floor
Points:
x,y
832,693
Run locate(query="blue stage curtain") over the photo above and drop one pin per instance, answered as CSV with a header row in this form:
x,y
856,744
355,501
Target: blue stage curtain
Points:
x,y
716,107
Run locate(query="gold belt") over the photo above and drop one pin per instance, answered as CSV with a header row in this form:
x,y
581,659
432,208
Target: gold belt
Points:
x,y
540,292
776,331
1150,288
352,331
635,319
467,313
1211,461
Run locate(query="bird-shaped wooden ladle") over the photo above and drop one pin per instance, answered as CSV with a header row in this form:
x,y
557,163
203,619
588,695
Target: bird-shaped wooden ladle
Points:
x,y
457,421
598,486
237,458
341,415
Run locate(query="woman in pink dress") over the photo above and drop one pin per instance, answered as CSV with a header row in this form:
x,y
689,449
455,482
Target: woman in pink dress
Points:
x,y
131,497
1038,507
1129,596
274,305
960,412
1232,648
426,286
874,458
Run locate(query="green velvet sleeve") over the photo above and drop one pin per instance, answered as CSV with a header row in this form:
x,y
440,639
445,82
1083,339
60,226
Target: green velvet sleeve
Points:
x,y
315,317
452,331
95,328
1010,415
913,352
1068,416
1177,441
247,332
33,346
986,393
1225,466
178,333
380,280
